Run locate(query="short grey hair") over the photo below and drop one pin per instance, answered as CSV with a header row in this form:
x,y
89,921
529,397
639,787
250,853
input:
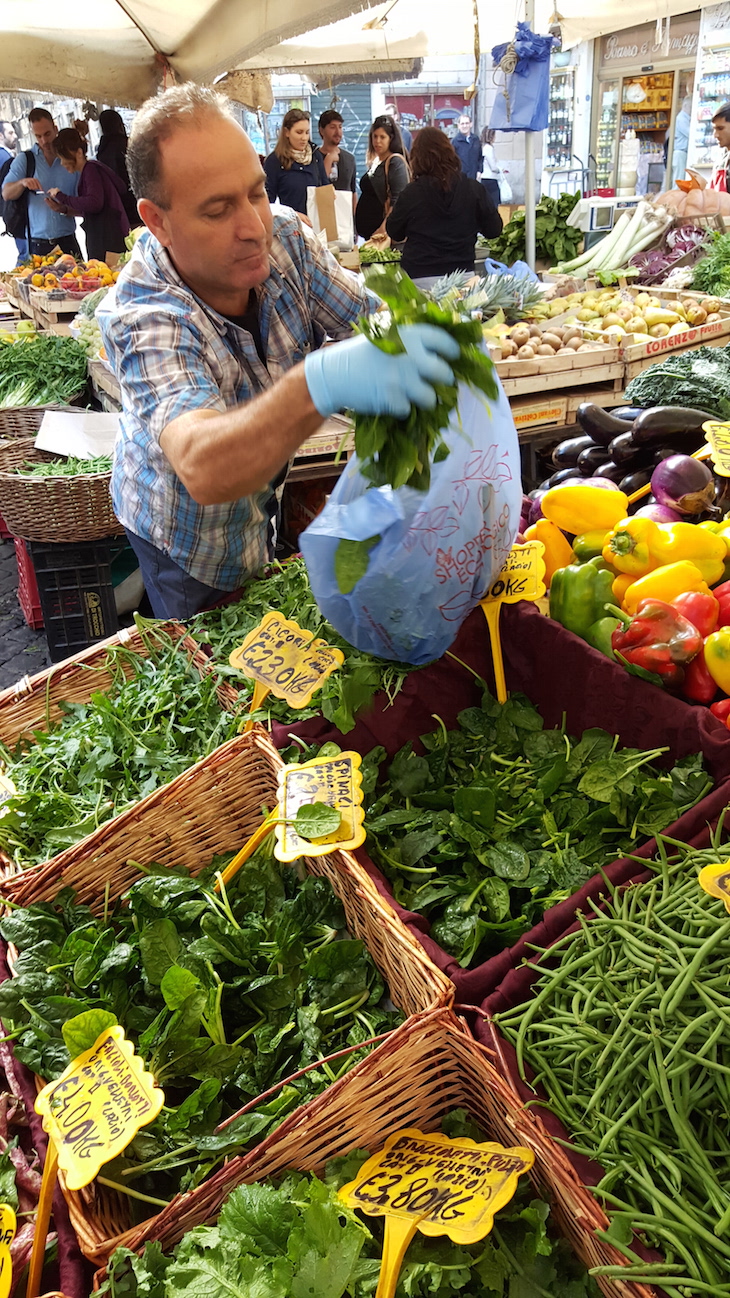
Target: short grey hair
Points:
x,y
157,120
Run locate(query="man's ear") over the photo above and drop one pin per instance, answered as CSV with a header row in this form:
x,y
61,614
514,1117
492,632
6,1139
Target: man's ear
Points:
x,y
155,218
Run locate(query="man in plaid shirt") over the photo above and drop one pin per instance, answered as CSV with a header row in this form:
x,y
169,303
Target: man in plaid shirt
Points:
x,y
215,331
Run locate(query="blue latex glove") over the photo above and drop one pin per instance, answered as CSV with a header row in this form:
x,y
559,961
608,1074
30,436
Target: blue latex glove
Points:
x,y
357,375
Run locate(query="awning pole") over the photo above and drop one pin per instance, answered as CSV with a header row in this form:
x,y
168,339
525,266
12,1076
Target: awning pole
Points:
x,y
530,171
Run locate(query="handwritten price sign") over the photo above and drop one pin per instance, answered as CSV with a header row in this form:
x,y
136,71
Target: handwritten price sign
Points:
x,y
522,577
337,782
7,1235
718,435
97,1106
435,1185
285,660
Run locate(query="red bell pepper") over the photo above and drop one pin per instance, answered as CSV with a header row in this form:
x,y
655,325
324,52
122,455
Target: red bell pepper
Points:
x,y
701,608
698,685
722,595
721,709
658,639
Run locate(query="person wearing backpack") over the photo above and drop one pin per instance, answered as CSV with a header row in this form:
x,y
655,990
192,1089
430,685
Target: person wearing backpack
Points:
x,y
30,175
8,146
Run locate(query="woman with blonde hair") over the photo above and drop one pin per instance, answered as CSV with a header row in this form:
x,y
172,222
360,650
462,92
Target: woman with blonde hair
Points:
x,y
295,165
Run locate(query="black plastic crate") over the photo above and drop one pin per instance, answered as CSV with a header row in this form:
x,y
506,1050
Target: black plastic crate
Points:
x,y
75,583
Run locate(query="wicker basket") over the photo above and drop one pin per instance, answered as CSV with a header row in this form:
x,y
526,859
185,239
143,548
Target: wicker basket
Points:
x,y
25,421
427,1067
213,808
54,509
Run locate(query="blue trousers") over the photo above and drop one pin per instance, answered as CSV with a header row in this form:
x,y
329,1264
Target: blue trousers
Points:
x,y
172,592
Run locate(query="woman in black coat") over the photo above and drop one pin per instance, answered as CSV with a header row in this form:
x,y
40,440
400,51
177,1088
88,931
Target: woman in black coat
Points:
x,y
295,165
112,151
386,177
441,212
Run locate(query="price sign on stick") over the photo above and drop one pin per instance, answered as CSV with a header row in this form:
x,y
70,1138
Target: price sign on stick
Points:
x,y
715,880
7,1235
335,781
90,1114
718,435
435,1185
283,659
522,577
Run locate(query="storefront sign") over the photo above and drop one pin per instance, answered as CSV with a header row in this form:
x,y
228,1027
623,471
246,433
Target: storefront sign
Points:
x,y
638,45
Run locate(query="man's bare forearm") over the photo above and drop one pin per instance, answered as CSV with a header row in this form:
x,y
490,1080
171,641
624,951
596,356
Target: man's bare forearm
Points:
x,y
13,189
223,456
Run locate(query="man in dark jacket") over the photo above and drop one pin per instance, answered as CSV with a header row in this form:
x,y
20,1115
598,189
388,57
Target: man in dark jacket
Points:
x,y
338,163
468,148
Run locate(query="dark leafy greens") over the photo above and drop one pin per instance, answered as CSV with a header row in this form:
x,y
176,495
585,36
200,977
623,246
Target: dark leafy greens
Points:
x,y
105,755
41,370
223,995
285,587
700,377
297,1238
501,819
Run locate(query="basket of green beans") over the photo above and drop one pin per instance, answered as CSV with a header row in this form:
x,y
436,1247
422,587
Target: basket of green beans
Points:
x,y
52,498
625,1038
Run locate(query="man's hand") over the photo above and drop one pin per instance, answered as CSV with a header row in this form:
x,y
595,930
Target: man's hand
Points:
x,y
31,182
357,375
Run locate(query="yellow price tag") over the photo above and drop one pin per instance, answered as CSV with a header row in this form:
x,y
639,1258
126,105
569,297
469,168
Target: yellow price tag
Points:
x,y
7,1235
7,789
718,435
436,1185
97,1106
284,660
715,880
522,577
336,781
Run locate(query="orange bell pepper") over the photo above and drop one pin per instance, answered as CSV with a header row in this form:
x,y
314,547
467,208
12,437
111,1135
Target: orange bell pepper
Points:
x,y
621,585
665,584
558,553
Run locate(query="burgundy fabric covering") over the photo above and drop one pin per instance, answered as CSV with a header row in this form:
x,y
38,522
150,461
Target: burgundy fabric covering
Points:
x,y
72,1275
562,675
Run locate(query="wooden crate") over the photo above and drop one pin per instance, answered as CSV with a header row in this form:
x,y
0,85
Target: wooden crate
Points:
x,y
706,335
583,376
104,381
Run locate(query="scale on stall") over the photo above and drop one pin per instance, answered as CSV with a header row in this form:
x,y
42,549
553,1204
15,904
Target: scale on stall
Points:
x,y
596,215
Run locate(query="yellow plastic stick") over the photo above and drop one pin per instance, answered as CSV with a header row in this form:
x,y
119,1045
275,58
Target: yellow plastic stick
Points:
x,y
248,849
260,693
492,611
43,1217
398,1235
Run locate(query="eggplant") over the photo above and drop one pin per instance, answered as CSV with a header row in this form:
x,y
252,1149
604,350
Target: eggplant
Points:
x,y
627,413
664,452
562,475
597,422
668,423
591,459
565,454
613,472
623,450
635,480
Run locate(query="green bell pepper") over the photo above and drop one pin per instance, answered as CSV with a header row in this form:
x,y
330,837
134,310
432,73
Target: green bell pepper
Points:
x,y
579,594
589,545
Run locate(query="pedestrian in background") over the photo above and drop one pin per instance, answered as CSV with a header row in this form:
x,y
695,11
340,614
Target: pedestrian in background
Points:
x,y
112,151
405,134
338,163
98,197
385,179
37,171
295,165
8,149
490,168
468,148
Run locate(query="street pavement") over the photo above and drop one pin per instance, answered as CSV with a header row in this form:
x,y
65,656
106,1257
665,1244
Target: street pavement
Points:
x,y
22,651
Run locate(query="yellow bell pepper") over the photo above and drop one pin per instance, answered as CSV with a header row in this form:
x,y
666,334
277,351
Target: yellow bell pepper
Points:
x,y
665,583
558,553
717,657
621,585
580,509
638,546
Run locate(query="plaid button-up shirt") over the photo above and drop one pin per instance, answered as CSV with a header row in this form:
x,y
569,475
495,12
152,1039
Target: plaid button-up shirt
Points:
x,y
173,353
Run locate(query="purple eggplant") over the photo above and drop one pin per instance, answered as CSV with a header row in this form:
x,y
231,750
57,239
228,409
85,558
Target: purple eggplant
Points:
x,y
566,454
611,472
658,513
598,423
668,423
623,450
635,480
684,484
591,459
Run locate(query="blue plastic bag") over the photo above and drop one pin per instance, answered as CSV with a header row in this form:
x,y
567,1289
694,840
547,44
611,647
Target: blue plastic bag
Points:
x,y
522,105
438,550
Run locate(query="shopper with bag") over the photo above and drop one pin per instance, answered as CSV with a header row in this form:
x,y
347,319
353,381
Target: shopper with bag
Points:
x,y
492,175
295,165
385,179
441,212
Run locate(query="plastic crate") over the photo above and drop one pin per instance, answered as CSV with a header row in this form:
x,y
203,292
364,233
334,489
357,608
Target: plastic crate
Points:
x,y
28,595
76,593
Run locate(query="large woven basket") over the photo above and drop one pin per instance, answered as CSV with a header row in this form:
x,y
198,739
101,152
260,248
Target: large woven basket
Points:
x,y
427,1067
213,808
25,421
53,509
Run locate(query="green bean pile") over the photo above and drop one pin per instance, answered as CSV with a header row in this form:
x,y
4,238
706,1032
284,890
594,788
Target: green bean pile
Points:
x,y
628,1033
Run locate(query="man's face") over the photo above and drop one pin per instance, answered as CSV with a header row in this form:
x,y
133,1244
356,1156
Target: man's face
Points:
x,y
464,125
721,131
45,132
332,134
9,135
218,225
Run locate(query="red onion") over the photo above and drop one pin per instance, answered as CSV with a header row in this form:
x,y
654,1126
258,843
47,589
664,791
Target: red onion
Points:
x,y
659,514
684,484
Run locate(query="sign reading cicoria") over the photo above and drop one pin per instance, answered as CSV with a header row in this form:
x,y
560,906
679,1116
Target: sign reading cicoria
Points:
x,y
97,1106
448,1187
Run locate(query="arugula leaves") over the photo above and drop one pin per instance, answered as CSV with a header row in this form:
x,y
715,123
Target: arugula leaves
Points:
x,y
222,994
285,587
297,1239
501,819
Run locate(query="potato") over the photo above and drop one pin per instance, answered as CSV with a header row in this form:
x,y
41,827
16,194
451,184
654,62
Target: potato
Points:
x,y
564,351
586,347
535,331
545,350
526,353
521,335
570,332
575,343
508,348
553,340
